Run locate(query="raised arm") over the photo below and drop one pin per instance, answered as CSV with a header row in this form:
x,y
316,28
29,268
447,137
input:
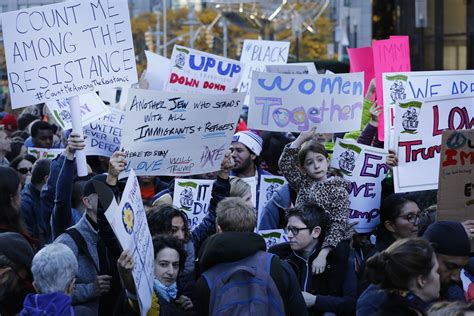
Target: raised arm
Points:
x,y
62,215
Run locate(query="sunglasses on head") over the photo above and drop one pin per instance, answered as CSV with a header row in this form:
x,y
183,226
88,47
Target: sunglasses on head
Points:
x,y
24,170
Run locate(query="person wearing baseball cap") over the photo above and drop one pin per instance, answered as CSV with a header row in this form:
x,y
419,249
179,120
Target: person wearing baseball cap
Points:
x,y
246,148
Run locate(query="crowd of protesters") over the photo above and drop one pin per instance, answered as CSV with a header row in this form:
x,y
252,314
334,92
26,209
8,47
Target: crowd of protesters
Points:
x,y
59,255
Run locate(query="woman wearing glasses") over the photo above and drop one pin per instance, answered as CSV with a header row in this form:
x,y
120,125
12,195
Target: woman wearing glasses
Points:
x,y
399,218
23,166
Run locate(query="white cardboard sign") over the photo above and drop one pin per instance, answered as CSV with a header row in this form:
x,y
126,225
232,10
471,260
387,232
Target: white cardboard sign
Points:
x,y
196,71
62,50
178,134
128,221
105,134
365,167
193,196
296,103
419,125
91,105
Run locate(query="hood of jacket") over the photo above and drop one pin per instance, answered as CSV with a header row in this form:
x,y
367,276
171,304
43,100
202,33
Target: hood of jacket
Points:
x,y
47,304
228,247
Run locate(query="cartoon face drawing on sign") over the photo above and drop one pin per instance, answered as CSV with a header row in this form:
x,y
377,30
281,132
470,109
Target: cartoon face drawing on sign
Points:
x,y
65,115
270,190
410,120
347,161
397,91
186,198
180,60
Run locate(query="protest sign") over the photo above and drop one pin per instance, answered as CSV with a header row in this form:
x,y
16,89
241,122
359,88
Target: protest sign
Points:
x,y
362,60
44,153
91,107
196,71
256,54
62,50
296,103
104,135
268,185
130,226
401,86
456,176
389,56
365,168
193,196
109,96
158,70
273,236
419,125
175,134
294,69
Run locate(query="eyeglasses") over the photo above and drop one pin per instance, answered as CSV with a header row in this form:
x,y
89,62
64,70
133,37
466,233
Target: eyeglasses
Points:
x,y
24,170
294,230
412,218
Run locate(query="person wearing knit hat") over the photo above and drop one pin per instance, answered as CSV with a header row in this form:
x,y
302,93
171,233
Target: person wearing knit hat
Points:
x,y
452,246
246,148
16,256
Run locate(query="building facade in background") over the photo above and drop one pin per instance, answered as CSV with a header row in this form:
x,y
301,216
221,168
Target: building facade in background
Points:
x,y
441,31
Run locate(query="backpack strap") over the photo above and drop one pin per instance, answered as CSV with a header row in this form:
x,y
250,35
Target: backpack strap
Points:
x,y
81,244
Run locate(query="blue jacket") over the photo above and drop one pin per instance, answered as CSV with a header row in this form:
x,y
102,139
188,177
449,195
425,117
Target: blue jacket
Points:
x,y
62,214
330,296
371,300
47,304
57,304
31,211
48,194
280,200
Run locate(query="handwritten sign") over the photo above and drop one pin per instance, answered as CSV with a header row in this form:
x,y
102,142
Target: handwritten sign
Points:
x,y
269,184
419,125
196,71
456,176
258,53
61,50
362,60
104,135
128,221
193,197
401,86
365,168
44,153
273,237
91,105
178,134
157,71
296,103
389,56
293,69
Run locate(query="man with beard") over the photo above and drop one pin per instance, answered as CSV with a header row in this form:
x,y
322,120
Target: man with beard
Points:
x,y
16,256
452,246
246,148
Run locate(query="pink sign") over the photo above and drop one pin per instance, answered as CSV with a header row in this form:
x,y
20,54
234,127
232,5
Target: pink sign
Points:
x,y
392,55
362,60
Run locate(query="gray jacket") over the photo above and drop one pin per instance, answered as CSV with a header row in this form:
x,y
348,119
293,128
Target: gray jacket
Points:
x,y
87,269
